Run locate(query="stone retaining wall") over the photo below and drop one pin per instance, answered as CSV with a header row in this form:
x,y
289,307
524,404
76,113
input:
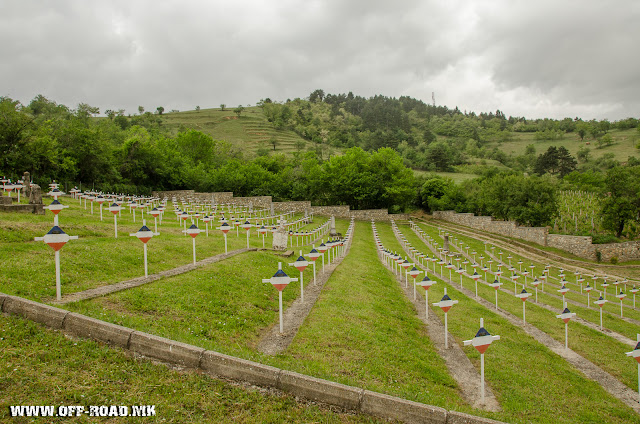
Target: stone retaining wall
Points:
x,y
302,206
258,202
225,366
37,209
581,246
487,223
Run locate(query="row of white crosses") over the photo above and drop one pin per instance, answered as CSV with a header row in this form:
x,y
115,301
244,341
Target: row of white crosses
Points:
x,y
280,279
566,315
8,186
483,338
393,260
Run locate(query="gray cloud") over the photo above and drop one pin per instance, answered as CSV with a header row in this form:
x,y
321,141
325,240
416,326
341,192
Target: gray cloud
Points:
x,y
545,59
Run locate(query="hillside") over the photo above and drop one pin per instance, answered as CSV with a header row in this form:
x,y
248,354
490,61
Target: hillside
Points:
x,y
249,132
429,138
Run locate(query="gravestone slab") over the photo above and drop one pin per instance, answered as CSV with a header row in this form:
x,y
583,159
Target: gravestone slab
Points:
x,y
280,238
332,228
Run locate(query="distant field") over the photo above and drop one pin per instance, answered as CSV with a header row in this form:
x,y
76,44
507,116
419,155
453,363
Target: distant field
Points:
x,y
622,147
249,131
455,176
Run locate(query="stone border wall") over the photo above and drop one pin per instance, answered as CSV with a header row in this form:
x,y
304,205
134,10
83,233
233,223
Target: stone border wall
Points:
x,y
37,209
581,246
225,366
302,206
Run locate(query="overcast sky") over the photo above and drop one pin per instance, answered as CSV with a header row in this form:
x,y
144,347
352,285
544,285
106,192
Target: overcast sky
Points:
x,y
527,58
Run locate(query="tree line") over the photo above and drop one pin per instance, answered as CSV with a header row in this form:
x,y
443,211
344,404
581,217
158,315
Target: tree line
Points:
x,y
429,137
136,154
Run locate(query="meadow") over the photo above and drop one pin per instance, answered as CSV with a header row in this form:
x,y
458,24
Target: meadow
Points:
x,y
362,331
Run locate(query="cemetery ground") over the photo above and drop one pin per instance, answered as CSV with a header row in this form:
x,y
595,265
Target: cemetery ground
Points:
x,y
362,331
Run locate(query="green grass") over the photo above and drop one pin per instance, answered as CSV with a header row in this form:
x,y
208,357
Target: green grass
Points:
x,y
514,363
457,177
595,346
356,333
97,258
622,147
247,132
42,367
362,330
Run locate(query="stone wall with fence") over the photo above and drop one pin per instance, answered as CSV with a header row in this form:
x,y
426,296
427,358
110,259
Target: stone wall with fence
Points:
x,y
581,246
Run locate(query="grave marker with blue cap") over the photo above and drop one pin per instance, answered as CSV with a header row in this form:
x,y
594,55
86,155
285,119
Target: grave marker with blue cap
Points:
x,y
634,290
524,295
144,234
635,354
445,304
566,316
600,302
193,231
301,264
225,228
115,210
426,284
56,238
481,342
496,286
280,280
621,296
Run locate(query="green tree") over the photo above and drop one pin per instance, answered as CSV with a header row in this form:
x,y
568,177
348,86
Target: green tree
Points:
x,y
582,128
300,145
160,110
274,142
583,154
238,110
222,106
556,160
527,200
316,96
566,162
140,110
14,123
622,204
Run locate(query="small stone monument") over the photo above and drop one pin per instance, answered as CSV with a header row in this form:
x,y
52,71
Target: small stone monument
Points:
x,y
280,237
332,228
272,211
26,180
445,245
35,197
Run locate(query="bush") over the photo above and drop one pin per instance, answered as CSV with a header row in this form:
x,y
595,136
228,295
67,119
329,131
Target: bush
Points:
x,y
614,260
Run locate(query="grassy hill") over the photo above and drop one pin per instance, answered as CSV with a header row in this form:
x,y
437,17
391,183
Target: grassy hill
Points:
x,y
249,132
623,146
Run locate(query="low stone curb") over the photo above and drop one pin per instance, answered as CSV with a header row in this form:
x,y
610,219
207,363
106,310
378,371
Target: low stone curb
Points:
x,y
220,365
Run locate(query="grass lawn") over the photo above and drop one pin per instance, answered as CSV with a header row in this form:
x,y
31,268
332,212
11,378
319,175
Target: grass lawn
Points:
x,y
559,394
362,331
43,367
